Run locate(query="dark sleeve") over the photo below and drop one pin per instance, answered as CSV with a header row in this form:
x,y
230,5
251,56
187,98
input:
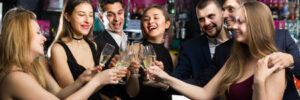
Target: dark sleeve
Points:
x,y
183,69
210,72
221,55
292,49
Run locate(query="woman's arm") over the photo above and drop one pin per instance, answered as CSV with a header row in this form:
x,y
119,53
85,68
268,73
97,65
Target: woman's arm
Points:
x,y
108,76
60,67
269,83
191,91
24,86
132,85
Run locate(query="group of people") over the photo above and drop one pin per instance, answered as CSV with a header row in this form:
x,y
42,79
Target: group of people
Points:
x,y
240,56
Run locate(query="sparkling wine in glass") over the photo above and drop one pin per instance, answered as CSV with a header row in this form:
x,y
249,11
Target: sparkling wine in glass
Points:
x,y
106,53
149,57
124,60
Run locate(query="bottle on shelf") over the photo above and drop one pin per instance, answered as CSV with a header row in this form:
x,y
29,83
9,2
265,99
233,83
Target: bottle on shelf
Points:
x,y
128,10
297,10
285,11
171,6
275,10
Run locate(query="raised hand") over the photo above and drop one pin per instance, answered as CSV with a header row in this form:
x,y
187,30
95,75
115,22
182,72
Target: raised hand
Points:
x,y
158,73
262,71
280,58
88,74
159,64
134,67
109,76
113,61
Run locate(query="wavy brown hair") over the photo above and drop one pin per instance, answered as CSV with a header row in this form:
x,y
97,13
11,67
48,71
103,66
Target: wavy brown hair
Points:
x,y
16,37
261,30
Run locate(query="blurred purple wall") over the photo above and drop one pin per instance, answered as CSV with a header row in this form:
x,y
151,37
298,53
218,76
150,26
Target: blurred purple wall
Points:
x,y
144,3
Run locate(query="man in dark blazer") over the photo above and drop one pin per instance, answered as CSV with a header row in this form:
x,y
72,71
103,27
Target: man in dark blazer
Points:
x,y
195,54
114,35
288,56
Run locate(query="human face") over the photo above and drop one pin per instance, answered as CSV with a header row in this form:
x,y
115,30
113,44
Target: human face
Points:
x,y
240,27
115,16
38,39
81,19
230,7
154,23
210,20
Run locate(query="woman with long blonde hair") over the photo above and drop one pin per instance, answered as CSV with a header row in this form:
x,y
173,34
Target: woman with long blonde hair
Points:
x,y
22,75
246,74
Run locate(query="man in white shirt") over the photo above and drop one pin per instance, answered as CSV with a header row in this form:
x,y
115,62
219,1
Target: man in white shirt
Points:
x,y
114,34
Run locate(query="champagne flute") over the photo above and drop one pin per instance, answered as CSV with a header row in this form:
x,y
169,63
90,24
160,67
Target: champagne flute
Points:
x,y
106,53
124,61
153,54
149,57
136,53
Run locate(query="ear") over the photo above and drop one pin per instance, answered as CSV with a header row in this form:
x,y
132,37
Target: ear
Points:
x,y
66,16
168,24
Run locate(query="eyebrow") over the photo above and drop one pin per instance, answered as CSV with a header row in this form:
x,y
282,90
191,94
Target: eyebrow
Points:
x,y
85,12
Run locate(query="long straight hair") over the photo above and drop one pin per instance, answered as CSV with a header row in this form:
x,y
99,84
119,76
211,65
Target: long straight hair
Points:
x,y
64,28
261,30
16,37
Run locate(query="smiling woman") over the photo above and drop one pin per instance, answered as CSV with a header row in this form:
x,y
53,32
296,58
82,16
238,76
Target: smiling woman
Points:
x,y
73,49
20,70
155,24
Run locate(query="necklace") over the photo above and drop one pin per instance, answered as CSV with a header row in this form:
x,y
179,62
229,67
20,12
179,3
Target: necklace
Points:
x,y
78,39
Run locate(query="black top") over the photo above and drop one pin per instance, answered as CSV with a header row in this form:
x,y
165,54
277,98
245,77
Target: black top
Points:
x,y
152,93
77,69
162,54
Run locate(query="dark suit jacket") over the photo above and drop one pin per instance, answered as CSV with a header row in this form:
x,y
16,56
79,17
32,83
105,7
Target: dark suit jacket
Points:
x,y
104,37
284,43
110,90
193,59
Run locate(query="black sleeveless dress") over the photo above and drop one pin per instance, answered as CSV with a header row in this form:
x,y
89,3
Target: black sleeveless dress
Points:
x,y
152,93
77,69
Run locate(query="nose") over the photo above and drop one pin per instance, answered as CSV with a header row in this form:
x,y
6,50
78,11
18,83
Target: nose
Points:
x,y
116,17
225,14
43,38
234,26
151,20
86,19
207,21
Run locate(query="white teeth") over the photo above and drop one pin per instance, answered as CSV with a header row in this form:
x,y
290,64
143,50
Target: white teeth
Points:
x,y
152,27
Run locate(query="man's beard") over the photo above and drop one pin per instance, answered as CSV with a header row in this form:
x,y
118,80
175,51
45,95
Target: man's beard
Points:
x,y
218,30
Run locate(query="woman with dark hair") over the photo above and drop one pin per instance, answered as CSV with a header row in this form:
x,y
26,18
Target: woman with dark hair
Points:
x,y
21,70
155,25
247,73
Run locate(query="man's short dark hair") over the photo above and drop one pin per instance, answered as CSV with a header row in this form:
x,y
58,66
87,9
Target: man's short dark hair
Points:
x,y
105,2
238,1
203,3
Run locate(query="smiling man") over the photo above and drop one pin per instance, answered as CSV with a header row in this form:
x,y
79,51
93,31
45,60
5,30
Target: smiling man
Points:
x,y
114,34
196,54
